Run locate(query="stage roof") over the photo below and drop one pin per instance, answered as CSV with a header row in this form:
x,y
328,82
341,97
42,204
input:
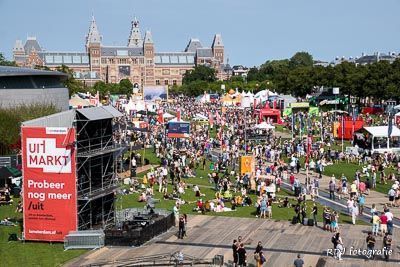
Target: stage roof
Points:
x,y
66,118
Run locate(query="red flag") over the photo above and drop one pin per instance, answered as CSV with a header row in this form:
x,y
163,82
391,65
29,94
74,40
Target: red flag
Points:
x,y
274,105
211,119
178,114
218,118
160,116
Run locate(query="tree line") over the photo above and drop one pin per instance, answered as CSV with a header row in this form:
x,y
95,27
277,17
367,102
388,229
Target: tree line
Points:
x,y
299,76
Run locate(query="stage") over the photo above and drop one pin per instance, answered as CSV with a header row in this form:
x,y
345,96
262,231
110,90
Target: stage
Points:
x,y
212,235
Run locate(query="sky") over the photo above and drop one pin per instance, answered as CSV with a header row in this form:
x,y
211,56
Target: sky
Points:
x,y
253,31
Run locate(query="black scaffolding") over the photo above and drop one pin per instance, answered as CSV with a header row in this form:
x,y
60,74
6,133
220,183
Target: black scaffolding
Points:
x,y
97,179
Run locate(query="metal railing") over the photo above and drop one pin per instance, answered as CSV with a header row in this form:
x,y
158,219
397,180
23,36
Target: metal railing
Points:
x,y
89,239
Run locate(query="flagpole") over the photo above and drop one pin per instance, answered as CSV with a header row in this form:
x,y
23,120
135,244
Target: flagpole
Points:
x,y
342,131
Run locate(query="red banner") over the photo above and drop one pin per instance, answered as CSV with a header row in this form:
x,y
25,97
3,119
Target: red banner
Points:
x,y
49,183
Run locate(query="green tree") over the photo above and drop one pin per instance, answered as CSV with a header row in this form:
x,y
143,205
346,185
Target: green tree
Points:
x,y
301,59
71,83
10,124
125,87
199,73
4,62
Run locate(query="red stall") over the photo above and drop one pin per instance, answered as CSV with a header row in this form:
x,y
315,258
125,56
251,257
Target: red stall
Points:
x,y
274,115
349,128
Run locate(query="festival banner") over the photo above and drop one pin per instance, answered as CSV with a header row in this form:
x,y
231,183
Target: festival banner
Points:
x,y
247,164
49,182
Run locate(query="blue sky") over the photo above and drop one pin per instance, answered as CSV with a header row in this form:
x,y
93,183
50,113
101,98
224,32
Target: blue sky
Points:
x,y
253,31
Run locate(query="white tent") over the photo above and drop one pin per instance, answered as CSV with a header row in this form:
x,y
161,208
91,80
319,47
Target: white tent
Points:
x,y
380,142
176,120
247,100
166,115
265,126
77,102
200,117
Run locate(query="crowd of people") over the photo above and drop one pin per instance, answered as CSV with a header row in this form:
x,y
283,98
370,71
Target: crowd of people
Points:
x,y
218,145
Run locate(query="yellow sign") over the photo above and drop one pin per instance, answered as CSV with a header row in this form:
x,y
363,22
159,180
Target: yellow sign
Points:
x,y
247,164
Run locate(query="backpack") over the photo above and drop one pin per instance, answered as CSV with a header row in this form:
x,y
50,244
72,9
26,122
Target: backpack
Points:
x,y
262,259
333,240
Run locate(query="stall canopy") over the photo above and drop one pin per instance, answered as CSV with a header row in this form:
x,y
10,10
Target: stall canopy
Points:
x,y
77,102
382,131
265,126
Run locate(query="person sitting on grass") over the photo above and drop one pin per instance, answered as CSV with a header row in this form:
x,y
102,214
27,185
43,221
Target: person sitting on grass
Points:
x,y
227,195
196,189
285,203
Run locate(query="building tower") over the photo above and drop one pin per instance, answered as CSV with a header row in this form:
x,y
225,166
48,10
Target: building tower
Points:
x,y
135,37
19,53
93,48
218,48
148,51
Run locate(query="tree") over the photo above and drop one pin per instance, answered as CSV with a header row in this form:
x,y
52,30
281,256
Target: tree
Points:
x,y
4,62
199,73
71,83
125,87
301,59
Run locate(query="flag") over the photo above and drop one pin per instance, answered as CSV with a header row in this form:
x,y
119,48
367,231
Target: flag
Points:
x,y
218,118
342,126
390,125
160,118
274,104
210,119
178,114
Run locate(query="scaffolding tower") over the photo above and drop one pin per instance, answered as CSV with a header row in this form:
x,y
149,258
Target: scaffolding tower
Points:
x,y
97,179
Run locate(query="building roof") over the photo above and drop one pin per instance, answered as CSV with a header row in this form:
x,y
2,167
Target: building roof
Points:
x,y
174,58
94,35
204,52
32,44
148,38
108,51
66,58
135,36
18,46
193,45
217,40
16,71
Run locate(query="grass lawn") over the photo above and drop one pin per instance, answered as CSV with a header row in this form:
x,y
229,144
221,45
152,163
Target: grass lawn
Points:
x,y
349,169
131,200
16,253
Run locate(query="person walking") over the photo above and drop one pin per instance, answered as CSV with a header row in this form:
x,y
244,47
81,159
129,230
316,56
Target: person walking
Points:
x,y
387,244
375,224
354,213
315,213
361,203
298,262
181,231
332,188
235,247
371,244
242,256
389,217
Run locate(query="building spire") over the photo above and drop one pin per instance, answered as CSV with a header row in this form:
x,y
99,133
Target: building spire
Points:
x,y
135,37
217,41
93,36
148,38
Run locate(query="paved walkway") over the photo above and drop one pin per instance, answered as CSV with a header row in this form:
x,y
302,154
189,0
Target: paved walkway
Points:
x,y
374,197
282,241
138,170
